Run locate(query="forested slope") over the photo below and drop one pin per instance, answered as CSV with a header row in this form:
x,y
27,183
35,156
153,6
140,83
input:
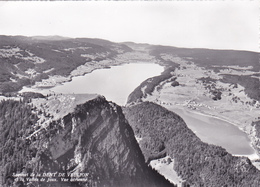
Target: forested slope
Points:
x,y
164,133
16,122
26,60
95,140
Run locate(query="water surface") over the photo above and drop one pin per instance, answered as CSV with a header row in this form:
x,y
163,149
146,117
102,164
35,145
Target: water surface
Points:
x,y
115,83
218,132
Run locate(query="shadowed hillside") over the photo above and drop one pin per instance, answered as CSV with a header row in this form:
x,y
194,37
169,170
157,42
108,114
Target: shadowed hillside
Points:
x,y
162,132
95,140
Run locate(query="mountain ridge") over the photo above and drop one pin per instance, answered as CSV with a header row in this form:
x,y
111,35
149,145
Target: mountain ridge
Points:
x,y
94,140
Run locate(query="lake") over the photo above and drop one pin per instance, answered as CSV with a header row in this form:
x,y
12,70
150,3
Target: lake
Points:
x,y
115,83
218,132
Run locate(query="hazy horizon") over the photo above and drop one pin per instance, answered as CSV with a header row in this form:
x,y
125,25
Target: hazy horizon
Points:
x,y
146,43
229,25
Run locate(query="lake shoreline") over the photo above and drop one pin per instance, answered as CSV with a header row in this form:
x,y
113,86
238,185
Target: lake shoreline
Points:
x,y
56,82
115,82
252,156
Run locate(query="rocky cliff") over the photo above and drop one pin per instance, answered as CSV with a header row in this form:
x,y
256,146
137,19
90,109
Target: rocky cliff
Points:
x,y
91,146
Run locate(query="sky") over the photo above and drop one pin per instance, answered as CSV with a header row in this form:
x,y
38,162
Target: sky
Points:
x,y
223,24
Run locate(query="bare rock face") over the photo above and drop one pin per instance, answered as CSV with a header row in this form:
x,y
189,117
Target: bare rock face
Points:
x,y
97,141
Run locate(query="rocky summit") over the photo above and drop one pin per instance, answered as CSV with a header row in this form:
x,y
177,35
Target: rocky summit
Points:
x,y
91,146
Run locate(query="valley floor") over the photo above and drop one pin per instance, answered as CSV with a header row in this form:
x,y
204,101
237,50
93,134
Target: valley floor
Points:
x,y
195,96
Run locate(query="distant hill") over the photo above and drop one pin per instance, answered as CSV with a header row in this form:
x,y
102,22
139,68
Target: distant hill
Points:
x,y
25,60
210,57
55,37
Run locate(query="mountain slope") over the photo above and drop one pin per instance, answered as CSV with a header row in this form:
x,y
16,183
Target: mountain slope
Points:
x,y
161,132
25,60
95,141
